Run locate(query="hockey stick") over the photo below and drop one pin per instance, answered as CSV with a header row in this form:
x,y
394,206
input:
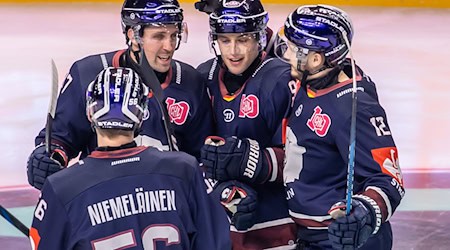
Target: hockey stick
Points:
x,y
51,108
14,221
351,147
150,79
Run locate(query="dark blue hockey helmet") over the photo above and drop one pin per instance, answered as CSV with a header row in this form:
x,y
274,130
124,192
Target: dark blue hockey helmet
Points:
x,y
238,16
116,99
150,12
320,28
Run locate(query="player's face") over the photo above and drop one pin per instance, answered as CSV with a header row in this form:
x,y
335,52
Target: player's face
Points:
x,y
238,51
159,44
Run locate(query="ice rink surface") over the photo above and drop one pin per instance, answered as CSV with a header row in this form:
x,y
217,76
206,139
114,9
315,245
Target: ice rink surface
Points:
x,y
404,50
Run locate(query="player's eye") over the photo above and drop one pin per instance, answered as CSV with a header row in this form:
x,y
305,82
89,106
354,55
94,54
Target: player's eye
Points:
x,y
243,40
224,40
174,36
158,36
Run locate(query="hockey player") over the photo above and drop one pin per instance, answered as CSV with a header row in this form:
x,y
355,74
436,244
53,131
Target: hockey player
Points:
x,y
124,196
156,27
317,39
251,95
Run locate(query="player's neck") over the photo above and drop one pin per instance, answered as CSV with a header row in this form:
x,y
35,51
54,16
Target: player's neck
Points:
x,y
325,78
342,77
318,75
113,140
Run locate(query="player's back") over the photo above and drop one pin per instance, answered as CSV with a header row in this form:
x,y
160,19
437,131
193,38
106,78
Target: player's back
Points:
x,y
71,129
135,197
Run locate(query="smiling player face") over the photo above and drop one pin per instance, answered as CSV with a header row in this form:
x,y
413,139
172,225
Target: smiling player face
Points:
x,y
238,51
159,44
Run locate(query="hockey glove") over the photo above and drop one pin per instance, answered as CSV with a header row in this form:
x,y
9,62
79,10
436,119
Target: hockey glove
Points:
x,y
352,231
207,6
40,165
240,201
234,159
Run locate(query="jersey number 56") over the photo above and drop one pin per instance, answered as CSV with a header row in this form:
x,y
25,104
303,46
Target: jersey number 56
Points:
x,y
126,239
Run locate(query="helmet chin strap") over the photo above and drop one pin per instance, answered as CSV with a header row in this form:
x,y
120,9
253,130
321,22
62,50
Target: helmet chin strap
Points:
x,y
138,53
305,73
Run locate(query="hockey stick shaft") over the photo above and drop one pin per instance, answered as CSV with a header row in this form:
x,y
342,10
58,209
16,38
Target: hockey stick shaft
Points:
x,y
351,157
51,108
352,146
14,221
150,79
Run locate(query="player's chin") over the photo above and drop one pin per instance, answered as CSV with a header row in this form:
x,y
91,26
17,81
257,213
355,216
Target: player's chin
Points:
x,y
235,71
237,68
162,65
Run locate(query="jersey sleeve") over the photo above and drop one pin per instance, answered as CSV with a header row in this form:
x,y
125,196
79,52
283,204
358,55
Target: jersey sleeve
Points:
x,y
377,170
71,128
213,228
50,229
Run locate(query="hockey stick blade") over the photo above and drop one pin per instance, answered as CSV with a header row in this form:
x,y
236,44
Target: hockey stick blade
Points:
x,y
14,221
150,79
51,108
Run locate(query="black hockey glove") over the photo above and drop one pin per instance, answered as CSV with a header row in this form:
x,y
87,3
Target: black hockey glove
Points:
x,y
352,231
234,159
207,6
40,165
240,201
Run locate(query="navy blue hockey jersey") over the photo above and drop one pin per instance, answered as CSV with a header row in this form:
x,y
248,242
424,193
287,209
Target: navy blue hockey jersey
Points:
x,y
135,198
256,111
317,148
185,96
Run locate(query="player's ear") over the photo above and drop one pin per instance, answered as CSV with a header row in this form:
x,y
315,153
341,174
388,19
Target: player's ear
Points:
x,y
131,37
317,60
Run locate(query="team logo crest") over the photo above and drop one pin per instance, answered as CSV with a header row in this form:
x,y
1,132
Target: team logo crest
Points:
x,y
319,123
178,111
387,158
249,106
